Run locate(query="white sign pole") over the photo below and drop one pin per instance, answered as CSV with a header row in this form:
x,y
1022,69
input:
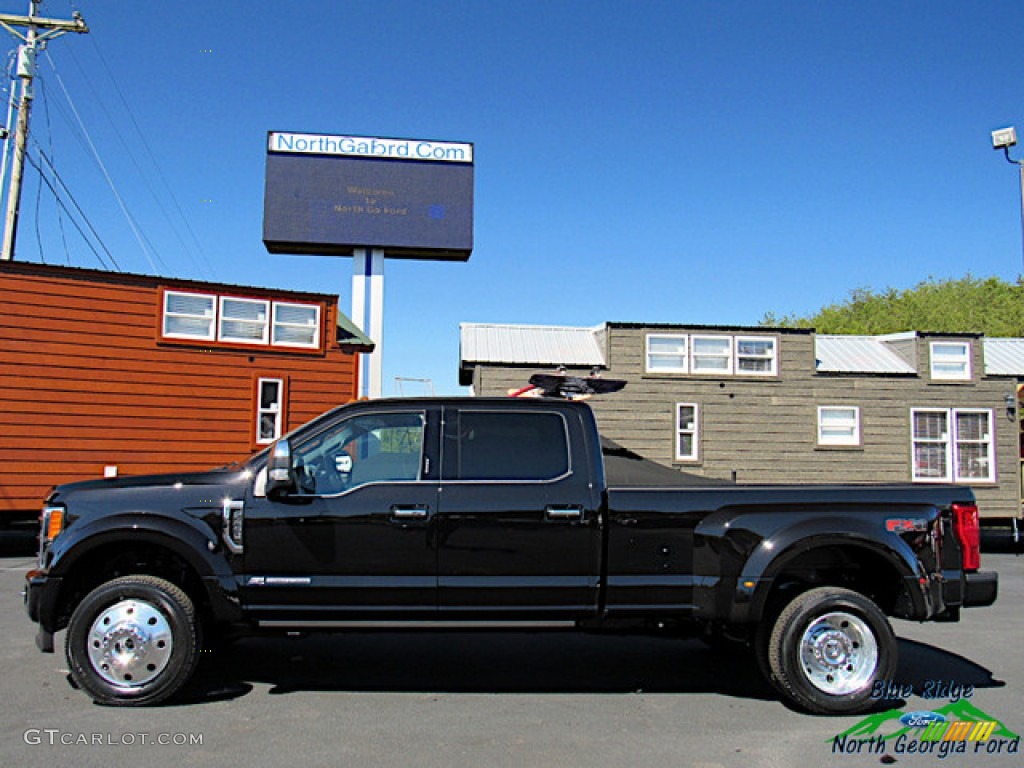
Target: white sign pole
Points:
x,y
376,383
359,265
368,299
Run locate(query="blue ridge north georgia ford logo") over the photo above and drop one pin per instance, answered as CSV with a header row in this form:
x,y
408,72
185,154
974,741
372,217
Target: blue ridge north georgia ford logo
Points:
x,y
958,728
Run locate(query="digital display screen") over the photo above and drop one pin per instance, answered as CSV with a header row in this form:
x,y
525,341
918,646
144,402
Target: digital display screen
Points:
x,y
411,206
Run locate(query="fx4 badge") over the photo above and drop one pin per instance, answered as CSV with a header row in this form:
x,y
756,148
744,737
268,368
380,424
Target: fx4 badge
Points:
x,y
906,525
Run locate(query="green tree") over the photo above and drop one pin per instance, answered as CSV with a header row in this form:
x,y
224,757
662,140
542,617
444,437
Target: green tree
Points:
x,y
990,306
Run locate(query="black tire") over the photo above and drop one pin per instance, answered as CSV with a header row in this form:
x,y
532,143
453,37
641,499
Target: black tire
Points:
x,y
826,650
133,641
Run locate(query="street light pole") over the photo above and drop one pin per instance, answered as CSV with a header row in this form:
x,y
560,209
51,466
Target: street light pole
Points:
x,y
1003,139
1020,169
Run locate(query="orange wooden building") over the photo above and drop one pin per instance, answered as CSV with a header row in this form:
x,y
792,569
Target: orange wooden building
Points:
x,y
105,374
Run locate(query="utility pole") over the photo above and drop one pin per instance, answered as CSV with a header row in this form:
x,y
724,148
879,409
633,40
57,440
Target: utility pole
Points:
x,y
39,30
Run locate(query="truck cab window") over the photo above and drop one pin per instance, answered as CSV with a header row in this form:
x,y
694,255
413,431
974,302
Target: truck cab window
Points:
x,y
512,446
372,448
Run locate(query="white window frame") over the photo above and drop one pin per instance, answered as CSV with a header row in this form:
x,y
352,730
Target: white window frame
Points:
x,y
275,409
987,440
315,326
683,355
688,359
827,431
943,440
265,323
773,357
727,355
690,428
950,366
952,442
210,316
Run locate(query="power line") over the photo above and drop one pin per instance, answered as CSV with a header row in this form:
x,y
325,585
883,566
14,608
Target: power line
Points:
x,y
127,151
78,208
60,218
85,143
67,191
39,236
203,262
106,174
61,204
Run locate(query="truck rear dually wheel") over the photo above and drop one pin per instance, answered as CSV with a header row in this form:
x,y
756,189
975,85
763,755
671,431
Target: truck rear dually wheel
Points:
x,y
133,641
827,649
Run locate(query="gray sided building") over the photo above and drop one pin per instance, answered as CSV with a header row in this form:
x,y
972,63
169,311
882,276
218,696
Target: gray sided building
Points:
x,y
772,405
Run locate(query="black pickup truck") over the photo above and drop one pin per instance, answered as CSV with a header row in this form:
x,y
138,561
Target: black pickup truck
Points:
x,y
487,512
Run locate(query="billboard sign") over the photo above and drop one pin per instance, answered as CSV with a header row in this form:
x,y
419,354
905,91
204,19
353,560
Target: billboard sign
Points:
x,y
329,195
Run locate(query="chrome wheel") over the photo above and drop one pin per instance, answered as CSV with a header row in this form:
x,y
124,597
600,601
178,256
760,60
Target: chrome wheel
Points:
x,y
839,653
827,648
130,643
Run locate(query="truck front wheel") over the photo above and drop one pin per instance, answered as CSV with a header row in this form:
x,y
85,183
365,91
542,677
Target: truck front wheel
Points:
x,y
827,649
133,641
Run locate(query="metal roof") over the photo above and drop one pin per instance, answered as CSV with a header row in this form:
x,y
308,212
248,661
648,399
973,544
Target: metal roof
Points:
x,y
530,344
573,346
350,337
693,327
1004,357
136,279
858,354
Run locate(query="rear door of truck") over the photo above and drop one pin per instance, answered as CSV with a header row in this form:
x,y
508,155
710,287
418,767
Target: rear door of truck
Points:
x,y
519,533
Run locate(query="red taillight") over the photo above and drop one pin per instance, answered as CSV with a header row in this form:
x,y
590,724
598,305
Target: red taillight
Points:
x,y
968,532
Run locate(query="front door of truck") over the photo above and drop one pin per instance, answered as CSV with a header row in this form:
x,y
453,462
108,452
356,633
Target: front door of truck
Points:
x,y
357,542
519,531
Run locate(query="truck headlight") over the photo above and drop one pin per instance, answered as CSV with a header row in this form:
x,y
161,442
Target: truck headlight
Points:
x,y
51,523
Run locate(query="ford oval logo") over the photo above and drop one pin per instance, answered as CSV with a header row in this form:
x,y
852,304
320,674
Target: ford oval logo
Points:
x,y
921,719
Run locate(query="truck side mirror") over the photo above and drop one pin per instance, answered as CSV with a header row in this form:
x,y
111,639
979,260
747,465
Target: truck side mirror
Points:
x,y
280,474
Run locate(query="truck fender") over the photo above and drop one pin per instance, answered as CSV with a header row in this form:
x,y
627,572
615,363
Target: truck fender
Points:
x,y
750,557
195,544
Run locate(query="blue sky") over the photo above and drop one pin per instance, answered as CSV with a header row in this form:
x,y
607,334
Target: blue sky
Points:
x,y
689,162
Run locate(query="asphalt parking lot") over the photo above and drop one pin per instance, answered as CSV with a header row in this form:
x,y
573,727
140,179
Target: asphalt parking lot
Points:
x,y
498,699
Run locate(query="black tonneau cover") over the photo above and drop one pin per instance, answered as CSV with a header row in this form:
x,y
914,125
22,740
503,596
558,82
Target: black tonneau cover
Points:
x,y
625,469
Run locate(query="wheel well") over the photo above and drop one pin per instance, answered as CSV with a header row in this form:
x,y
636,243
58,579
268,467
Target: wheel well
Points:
x,y
110,561
855,568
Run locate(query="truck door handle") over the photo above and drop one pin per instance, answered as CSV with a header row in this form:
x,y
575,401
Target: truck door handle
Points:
x,y
563,513
409,513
